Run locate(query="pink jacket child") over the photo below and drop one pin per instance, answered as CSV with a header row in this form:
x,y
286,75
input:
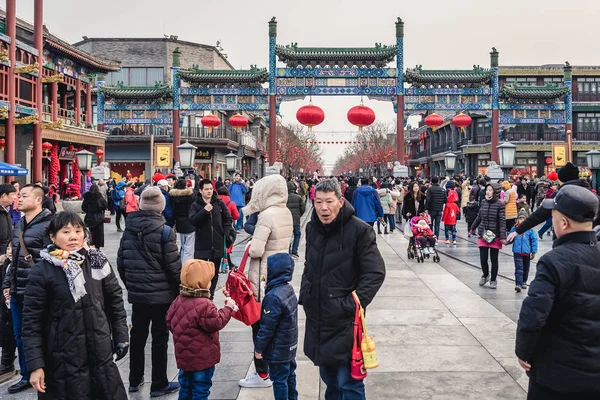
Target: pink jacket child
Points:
x,y
423,234
312,192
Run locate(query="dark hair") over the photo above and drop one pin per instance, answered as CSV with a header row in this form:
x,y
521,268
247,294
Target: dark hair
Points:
x,y
204,182
351,181
63,219
364,181
181,184
410,189
13,182
35,189
435,179
6,188
94,189
223,191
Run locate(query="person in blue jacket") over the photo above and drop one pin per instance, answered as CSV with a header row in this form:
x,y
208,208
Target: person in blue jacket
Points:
x,y
237,190
277,339
524,248
117,195
366,203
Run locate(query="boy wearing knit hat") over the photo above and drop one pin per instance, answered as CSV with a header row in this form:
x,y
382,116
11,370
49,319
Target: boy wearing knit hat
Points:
x,y
524,248
195,322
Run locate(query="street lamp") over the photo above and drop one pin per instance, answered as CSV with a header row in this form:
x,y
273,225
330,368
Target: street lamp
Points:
x,y
506,156
593,162
84,162
187,154
450,162
231,161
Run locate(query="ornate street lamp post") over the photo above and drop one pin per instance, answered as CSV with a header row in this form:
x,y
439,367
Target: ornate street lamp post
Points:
x,y
84,162
506,157
450,162
593,162
231,161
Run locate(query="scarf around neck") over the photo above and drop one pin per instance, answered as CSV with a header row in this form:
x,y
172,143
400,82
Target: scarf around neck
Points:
x,y
71,261
190,292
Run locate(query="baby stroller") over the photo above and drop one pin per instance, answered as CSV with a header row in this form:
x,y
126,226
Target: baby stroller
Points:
x,y
414,249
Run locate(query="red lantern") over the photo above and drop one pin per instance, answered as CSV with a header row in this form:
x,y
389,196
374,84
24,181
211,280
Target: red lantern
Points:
x,y
434,121
71,148
462,121
310,116
211,121
99,152
549,160
2,144
361,116
46,147
553,176
238,121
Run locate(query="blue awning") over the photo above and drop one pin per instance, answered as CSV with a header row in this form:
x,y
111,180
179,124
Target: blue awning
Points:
x,y
12,170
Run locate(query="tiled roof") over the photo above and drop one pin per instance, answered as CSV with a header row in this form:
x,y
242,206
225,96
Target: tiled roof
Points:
x,y
549,92
253,75
476,77
137,92
294,55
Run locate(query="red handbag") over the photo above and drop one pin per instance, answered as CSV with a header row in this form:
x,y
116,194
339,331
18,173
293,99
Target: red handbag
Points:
x,y
357,364
240,290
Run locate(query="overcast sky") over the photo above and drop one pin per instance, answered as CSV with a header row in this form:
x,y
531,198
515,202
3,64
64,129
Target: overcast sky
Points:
x,y
439,34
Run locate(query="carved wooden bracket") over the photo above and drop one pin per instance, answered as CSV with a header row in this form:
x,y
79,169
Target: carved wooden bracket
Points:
x,y
52,125
30,119
54,78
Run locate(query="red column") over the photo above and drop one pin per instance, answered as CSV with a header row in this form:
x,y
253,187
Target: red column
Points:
x,y
272,129
400,129
77,101
495,135
176,134
38,41
569,136
54,100
88,104
11,31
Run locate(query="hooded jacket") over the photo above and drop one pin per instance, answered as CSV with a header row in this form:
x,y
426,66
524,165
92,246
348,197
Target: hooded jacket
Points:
x,y
182,200
510,199
277,339
118,193
35,239
231,207
451,209
148,267
559,322
274,226
237,191
385,197
130,200
295,203
526,243
340,257
168,211
211,227
491,215
365,201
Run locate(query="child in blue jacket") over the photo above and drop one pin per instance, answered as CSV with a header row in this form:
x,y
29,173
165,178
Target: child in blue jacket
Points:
x,y
524,248
277,339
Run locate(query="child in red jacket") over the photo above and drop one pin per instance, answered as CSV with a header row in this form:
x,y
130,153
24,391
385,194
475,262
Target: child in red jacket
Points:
x,y
195,323
424,235
451,211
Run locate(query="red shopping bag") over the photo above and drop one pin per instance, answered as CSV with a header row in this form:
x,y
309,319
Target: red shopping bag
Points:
x,y
240,290
357,363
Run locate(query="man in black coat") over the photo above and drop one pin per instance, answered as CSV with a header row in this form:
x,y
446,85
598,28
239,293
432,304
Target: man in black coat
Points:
x,y
558,329
33,226
434,203
7,337
149,266
213,223
341,256
297,207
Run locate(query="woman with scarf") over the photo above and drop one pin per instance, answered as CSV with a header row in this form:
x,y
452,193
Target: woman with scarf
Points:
x,y
73,313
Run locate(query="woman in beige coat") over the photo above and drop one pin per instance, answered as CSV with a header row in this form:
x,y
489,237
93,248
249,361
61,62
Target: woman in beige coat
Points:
x,y
272,234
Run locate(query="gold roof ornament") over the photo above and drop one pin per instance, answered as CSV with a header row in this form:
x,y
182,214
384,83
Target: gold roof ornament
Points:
x,y
30,119
28,69
4,112
52,125
54,78
4,55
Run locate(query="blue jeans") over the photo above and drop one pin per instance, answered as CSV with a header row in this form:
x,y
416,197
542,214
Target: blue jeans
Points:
x,y
296,242
195,385
522,264
340,385
239,224
546,226
188,241
436,218
283,377
392,221
450,229
16,307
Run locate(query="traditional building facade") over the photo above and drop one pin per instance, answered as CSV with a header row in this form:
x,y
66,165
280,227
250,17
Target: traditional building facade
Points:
x,y
45,98
139,107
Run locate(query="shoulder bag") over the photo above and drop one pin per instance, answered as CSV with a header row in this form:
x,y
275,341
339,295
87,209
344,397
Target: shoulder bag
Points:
x,y
240,290
27,256
488,235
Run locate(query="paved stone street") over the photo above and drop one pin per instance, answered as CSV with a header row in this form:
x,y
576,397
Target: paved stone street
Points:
x,y
438,334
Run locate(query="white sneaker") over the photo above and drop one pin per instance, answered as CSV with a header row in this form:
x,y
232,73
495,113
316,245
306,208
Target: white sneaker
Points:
x,y
255,381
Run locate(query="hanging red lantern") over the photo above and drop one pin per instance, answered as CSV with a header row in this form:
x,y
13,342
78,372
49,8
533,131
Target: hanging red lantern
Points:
x,y
210,121
46,147
548,160
361,116
434,121
2,144
238,121
461,121
310,116
99,152
71,148
553,176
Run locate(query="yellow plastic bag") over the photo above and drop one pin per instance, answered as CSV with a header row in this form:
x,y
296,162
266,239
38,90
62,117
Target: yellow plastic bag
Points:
x,y
367,344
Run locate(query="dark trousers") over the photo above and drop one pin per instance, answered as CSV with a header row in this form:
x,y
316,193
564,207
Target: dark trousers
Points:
x,y
7,336
386,218
283,377
340,385
510,222
371,223
392,222
119,213
450,230
195,385
296,242
141,317
239,224
215,279
484,253
16,307
546,226
522,264
539,392
436,219
261,366
426,241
